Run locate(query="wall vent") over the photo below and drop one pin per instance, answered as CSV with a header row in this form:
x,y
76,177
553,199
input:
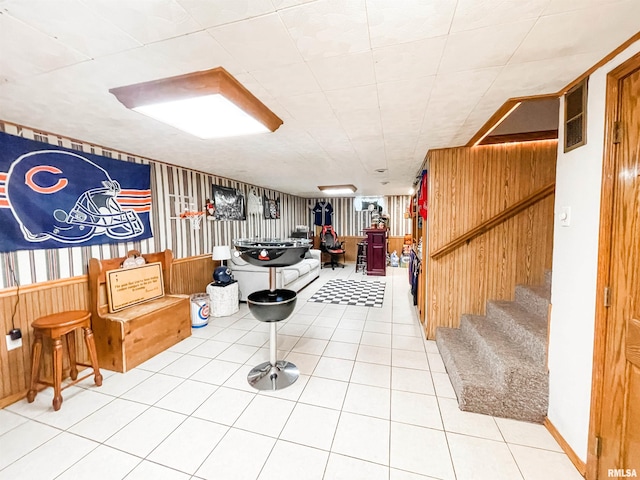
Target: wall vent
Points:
x,y
575,116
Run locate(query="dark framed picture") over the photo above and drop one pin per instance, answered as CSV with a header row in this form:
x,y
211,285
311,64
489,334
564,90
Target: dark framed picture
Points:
x,y
271,208
228,204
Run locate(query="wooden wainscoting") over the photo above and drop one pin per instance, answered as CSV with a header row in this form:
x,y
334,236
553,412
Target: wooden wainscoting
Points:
x,y
189,275
192,274
35,301
469,186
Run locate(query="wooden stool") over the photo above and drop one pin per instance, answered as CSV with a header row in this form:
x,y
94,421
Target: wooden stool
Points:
x,y
55,327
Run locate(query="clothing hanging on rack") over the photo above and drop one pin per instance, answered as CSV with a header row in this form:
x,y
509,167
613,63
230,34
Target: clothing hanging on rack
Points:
x,y
323,212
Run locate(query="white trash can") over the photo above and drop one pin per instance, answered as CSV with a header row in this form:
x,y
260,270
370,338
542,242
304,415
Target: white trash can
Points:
x,y
199,310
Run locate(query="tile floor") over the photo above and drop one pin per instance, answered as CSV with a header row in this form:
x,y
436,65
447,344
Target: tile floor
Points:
x,y
373,402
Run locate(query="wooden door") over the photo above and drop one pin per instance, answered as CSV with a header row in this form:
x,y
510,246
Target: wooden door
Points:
x,y
619,430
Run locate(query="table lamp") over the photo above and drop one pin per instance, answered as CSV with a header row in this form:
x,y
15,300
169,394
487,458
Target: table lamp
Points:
x,y
222,274
222,253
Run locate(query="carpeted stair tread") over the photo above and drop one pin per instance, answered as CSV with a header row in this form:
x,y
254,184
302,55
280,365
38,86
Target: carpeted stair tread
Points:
x,y
498,349
534,298
521,394
521,326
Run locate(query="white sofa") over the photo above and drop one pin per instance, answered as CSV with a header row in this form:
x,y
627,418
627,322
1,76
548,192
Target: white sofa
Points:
x,y
295,277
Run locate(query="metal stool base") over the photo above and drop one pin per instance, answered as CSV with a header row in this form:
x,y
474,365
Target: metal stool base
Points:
x,y
273,377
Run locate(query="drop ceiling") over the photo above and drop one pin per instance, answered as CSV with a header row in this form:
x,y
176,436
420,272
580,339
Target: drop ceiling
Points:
x,y
362,85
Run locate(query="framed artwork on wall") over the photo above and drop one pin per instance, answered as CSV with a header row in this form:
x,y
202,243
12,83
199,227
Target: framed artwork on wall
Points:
x,y
228,204
271,208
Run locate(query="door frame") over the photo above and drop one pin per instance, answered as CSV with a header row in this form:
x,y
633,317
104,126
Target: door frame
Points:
x,y
604,257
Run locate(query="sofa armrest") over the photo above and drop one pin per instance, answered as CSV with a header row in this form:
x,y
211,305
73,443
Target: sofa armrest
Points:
x,y
315,254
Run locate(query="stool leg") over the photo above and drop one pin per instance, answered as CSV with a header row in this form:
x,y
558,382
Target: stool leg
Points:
x,y
71,347
36,352
57,373
91,346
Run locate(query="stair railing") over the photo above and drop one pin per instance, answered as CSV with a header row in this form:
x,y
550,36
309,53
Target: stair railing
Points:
x,y
494,221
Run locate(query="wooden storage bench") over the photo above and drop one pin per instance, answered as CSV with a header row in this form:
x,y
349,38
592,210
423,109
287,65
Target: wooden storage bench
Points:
x,y
126,338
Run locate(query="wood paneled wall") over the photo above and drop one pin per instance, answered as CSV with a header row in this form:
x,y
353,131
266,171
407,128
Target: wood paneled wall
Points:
x,y
467,187
193,274
35,301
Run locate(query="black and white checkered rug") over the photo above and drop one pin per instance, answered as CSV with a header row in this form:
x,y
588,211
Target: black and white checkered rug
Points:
x,y
351,292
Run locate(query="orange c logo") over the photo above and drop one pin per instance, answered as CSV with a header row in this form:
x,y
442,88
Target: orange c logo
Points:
x,y
59,185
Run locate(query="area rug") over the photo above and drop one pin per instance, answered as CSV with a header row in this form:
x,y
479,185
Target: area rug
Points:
x,y
351,292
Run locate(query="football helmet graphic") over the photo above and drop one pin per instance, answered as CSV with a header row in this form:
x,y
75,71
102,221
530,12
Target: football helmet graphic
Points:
x,y
60,195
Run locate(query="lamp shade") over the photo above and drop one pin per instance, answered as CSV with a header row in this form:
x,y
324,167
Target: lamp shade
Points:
x,y
221,252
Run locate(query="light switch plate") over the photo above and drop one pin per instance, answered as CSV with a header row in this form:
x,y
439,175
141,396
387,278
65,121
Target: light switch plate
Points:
x,y
565,216
13,344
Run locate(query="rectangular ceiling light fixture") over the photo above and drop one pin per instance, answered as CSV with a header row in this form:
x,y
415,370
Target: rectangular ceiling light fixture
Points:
x,y
337,189
207,104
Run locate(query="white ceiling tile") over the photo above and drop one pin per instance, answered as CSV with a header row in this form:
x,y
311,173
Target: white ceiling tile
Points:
x,y
26,51
405,95
308,107
483,47
328,27
344,71
408,20
210,13
146,21
414,59
73,24
280,4
286,80
561,6
354,99
580,31
472,14
258,43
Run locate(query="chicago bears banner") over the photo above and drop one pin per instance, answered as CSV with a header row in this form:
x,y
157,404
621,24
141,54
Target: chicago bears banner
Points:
x,y
52,197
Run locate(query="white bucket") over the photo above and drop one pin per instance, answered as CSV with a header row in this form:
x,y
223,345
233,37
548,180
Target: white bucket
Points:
x,y
199,310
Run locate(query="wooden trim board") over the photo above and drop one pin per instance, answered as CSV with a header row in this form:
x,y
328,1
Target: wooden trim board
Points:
x,y
579,464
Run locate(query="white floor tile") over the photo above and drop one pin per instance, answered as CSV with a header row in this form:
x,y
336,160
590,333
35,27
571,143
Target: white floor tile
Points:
x,y
119,383
376,339
362,437
527,434
442,385
224,406
420,450
230,335
311,426
216,372
186,397
312,346
9,420
253,338
415,344
409,359
306,363
240,455
368,400
334,368
326,321
210,348
346,351
237,353
239,379
146,432
74,409
378,327
415,409
324,392
321,333
537,464
149,470
293,461
161,360
23,439
340,467
346,336
153,389
369,354
407,330
207,332
188,445
50,459
115,465
411,380
186,345
470,458
351,324
265,415
435,363
467,423
292,392
371,374
185,366
395,474
103,423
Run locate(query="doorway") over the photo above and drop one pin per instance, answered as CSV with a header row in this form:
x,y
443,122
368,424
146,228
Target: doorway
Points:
x,y
614,440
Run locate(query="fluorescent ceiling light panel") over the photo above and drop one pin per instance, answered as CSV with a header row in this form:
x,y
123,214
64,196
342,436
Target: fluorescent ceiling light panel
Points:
x,y
207,104
337,189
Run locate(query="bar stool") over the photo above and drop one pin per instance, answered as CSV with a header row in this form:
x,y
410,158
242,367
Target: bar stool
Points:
x,y
55,327
361,257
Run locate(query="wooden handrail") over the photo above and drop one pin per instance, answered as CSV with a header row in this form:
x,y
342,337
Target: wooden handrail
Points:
x,y
501,217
